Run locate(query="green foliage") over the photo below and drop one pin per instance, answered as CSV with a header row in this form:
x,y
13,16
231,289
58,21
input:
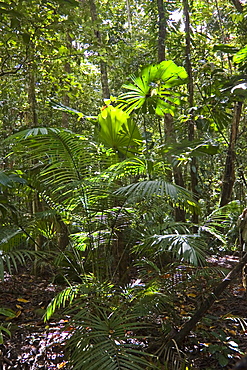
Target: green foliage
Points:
x,y
64,161
106,340
105,329
118,131
150,91
151,188
241,56
189,248
8,180
9,314
224,218
108,183
223,349
188,149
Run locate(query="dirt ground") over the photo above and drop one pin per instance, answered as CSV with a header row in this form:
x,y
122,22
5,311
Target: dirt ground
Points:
x,y
37,345
33,344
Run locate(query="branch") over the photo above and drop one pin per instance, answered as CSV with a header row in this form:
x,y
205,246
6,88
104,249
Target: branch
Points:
x,y
178,337
16,70
238,5
11,72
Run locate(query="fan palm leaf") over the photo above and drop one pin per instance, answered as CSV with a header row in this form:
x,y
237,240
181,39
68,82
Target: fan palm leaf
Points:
x,y
161,188
150,91
118,131
185,247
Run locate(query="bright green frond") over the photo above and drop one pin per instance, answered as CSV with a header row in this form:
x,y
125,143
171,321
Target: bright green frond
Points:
x,y
184,247
118,131
160,188
150,90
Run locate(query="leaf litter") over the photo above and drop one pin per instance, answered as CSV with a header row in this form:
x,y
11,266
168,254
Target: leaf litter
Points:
x,y
33,344
37,345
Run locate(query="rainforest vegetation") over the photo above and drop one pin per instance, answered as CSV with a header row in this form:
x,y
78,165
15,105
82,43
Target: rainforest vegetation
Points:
x,y
122,178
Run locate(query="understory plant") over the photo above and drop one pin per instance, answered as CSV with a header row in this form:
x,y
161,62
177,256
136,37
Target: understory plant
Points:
x,y
102,208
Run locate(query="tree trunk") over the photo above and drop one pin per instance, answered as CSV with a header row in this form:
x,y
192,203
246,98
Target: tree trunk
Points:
x,y
129,16
102,63
178,337
229,173
66,100
32,116
238,5
168,119
62,232
37,207
176,172
162,30
190,86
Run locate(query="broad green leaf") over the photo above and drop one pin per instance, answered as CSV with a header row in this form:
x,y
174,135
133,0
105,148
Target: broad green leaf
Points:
x,y
118,131
240,56
229,49
150,90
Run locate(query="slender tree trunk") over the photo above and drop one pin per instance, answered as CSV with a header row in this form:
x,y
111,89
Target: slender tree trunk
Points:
x,y
62,233
229,173
129,15
32,116
190,86
238,5
66,100
102,63
169,129
162,30
176,172
37,207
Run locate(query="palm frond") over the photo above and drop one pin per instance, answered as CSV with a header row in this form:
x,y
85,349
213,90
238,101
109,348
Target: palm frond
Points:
x,y
11,238
150,90
64,169
161,188
61,155
89,290
221,224
16,258
150,300
8,179
118,131
175,359
106,340
129,167
185,247
65,297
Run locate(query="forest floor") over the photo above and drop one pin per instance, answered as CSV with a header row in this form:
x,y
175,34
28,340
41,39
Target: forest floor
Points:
x,y
33,344
37,345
